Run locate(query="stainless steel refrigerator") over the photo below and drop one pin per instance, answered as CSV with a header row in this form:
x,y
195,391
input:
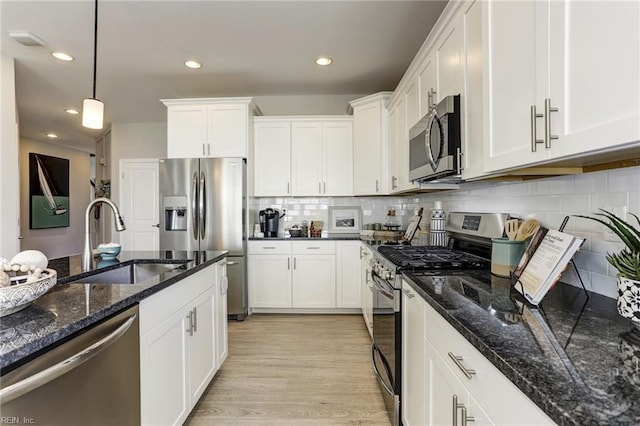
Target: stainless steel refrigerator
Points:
x,y
203,206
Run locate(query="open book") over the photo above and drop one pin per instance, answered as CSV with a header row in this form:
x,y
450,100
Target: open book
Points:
x,y
544,259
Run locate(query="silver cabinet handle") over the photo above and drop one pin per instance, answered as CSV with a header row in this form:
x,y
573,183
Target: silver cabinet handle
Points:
x,y
294,263
409,294
432,92
457,360
209,149
377,185
454,410
429,100
288,191
548,109
288,263
534,137
190,329
268,248
313,248
393,182
203,149
195,319
465,418
319,187
45,376
157,225
324,187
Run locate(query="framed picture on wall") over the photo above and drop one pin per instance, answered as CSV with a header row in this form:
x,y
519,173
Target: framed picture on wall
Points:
x,y
345,219
48,191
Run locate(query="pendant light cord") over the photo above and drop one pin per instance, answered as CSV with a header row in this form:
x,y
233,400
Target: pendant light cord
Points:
x,y
95,48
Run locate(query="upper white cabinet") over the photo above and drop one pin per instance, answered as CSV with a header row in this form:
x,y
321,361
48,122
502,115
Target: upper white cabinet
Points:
x,y
208,127
303,156
399,141
561,98
370,144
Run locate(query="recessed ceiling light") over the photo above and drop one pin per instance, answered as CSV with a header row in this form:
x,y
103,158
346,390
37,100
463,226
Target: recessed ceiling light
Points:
x,y
323,60
52,135
72,111
193,64
62,56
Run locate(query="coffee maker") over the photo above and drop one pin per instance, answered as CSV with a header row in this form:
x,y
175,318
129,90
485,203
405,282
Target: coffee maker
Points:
x,y
269,221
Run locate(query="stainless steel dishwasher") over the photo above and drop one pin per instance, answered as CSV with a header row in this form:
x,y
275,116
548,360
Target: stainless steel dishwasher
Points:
x,y
91,379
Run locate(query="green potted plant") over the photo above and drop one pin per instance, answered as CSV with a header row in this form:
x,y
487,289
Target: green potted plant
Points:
x,y
626,261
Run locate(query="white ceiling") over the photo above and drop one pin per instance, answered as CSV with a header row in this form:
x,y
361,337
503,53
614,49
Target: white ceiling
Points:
x,y
248,48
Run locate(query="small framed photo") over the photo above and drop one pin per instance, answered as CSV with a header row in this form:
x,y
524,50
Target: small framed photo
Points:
x,y
345,220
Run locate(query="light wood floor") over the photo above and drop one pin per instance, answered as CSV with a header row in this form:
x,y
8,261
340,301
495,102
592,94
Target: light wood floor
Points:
x,y
294,370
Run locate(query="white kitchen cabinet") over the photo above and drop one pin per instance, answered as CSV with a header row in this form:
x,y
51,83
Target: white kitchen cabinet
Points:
x,y
412,104
366,288
495,395
222,337
303,156
299,274
449,402
399,145
562,98
414,380
426,84
177,347
370,144
348,279
447,59
272,158
208,127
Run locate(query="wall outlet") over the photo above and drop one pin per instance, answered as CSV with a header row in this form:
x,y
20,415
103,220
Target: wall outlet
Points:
x,y
621,212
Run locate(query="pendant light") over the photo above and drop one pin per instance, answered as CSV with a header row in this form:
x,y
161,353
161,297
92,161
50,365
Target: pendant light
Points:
x,y
92,108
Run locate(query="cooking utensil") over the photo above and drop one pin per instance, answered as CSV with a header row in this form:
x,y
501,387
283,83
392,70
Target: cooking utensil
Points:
x,y
528,229
511,228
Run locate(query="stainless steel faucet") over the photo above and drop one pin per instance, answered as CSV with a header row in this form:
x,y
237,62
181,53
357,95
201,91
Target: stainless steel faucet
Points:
x,y
87,256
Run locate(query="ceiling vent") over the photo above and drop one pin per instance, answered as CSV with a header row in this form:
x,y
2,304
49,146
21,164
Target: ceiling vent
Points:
x,y
26,38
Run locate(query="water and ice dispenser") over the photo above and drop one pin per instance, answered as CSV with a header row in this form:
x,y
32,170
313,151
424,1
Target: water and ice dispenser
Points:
x,y
175,213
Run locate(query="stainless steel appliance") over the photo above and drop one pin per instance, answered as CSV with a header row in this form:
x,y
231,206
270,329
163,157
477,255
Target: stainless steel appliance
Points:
x,y
203,206
269,222
91,379
468,251
435,148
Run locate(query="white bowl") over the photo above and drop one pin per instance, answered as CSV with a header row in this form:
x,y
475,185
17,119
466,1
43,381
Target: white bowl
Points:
x,y
31,257
109,252
16,297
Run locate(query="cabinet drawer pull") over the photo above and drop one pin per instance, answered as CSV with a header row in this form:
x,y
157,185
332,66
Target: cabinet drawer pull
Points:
x,y
195,319
288,263
319,187
454,410
548,109
268,248
457,360
534,137
313,248
409,294
190,329
465,418
294,263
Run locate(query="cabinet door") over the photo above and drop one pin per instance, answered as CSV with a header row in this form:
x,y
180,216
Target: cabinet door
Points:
x,y
163,372
348,282
186,131
471,101
227,130
414,382
367,139
272,159
393,146
512,86
366,290
222,341
447,57
403,183
270,281
306,158
201,344
426,85
337,158
595,75
412,100
314,281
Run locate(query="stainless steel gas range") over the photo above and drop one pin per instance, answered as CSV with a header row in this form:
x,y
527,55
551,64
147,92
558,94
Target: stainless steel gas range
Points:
x,y
468,250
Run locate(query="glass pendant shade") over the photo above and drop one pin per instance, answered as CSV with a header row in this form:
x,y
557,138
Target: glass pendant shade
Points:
x,y
92,113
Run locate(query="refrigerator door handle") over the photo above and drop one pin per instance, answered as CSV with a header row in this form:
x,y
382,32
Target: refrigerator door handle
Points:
x,y
203,205
194,205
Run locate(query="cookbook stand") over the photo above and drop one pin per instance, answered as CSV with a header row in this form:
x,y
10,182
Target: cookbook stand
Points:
x,y
515,280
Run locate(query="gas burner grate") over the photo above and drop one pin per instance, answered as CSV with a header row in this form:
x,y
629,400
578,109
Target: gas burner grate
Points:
x,y
427,257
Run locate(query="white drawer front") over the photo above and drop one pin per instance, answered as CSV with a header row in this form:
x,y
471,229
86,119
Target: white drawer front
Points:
x,y
269,247
498,396
314,247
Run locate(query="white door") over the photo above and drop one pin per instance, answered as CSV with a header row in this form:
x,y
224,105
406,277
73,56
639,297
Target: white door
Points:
x,y
306,158
139,204
272,158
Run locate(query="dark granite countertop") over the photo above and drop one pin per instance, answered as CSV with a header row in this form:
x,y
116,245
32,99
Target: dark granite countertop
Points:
x,y
69,308
575,358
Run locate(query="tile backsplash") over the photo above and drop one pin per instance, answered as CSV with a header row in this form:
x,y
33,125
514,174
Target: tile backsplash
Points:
x,y
548,200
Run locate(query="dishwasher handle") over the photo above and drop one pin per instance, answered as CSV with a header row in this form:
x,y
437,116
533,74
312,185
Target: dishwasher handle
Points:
x,y
45,376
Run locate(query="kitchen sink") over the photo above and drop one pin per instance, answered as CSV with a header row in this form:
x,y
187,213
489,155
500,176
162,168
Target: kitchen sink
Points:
x,y
128,274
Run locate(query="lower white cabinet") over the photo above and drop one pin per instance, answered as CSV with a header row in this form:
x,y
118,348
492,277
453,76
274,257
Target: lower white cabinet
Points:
x,y
314,281
222,338
414,383
348,255
178,358
366,288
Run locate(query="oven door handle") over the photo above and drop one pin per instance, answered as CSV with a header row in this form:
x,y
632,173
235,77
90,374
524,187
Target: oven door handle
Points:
x,y
377,372
380,286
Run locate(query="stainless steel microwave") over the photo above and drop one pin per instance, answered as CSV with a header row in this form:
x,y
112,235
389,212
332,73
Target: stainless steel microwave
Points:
x,y
435,151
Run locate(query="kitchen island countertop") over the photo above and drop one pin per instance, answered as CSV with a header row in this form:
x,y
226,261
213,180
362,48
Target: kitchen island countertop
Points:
x,y
575,357
69,308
